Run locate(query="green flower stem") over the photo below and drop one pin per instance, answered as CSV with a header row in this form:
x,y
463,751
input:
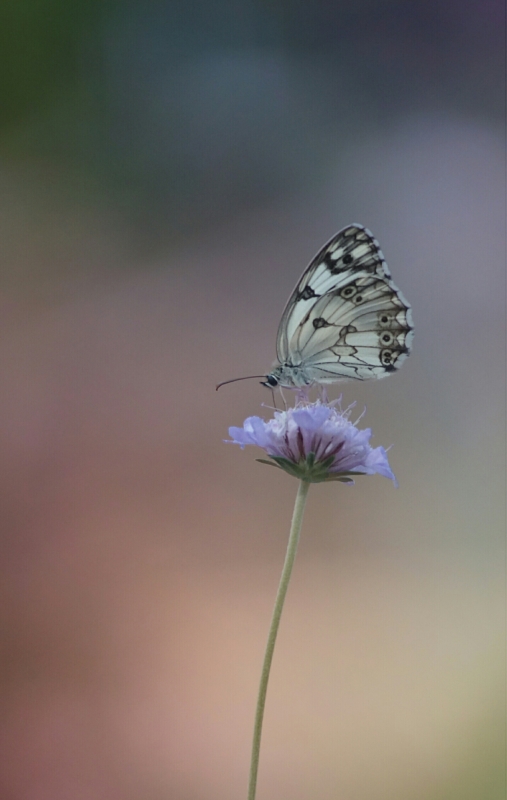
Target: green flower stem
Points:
x,y
295,530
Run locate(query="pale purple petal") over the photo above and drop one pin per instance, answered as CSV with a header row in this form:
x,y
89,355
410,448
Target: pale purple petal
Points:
x,y
376,461
252,432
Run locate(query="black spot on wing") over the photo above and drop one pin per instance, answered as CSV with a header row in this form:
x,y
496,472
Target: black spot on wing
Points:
x,y
320,322
347,329
307,293
361,253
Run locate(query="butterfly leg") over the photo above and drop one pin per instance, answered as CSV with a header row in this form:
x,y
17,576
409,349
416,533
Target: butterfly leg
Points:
x,y
284,401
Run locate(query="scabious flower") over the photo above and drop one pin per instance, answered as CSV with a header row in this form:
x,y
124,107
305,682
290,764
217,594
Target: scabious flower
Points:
x,y
315,442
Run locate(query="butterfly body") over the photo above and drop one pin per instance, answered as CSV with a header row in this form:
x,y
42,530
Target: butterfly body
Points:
x,y
345,319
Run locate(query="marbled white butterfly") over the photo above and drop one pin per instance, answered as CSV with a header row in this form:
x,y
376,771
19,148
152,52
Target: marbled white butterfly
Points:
x,y
345,318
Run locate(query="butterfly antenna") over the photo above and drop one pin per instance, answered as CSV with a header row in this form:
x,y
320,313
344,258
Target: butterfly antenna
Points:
x,y
233,380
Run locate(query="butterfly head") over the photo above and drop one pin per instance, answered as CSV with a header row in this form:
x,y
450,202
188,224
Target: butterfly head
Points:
x,y
271,381
284,375
288,376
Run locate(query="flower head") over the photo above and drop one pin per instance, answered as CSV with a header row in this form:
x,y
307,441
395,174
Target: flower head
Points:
x,y
315,442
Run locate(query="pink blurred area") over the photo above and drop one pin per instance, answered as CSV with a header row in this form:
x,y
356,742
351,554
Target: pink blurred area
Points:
x,y
141,553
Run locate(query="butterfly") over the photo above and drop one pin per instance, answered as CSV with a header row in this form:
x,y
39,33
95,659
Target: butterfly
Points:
x,y
345,318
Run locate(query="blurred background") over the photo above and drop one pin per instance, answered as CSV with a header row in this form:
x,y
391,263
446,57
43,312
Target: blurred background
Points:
x,y
167,170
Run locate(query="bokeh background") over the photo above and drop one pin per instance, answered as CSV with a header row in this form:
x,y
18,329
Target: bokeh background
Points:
x,y
167,170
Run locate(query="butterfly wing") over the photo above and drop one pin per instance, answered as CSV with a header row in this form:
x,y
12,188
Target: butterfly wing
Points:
x,y
346,318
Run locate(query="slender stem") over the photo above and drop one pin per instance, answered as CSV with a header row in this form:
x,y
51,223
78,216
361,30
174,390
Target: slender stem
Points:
x,y
295,530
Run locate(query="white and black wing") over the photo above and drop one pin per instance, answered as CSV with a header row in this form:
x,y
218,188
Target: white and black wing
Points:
x,y
346,318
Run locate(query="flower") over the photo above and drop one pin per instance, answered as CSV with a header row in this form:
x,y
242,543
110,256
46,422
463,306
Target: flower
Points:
x,y
315,442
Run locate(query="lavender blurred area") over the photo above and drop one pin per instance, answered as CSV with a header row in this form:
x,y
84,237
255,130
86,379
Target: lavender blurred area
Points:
x,y
167,170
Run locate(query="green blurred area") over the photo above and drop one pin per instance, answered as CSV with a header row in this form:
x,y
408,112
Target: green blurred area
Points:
x,y
42,44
